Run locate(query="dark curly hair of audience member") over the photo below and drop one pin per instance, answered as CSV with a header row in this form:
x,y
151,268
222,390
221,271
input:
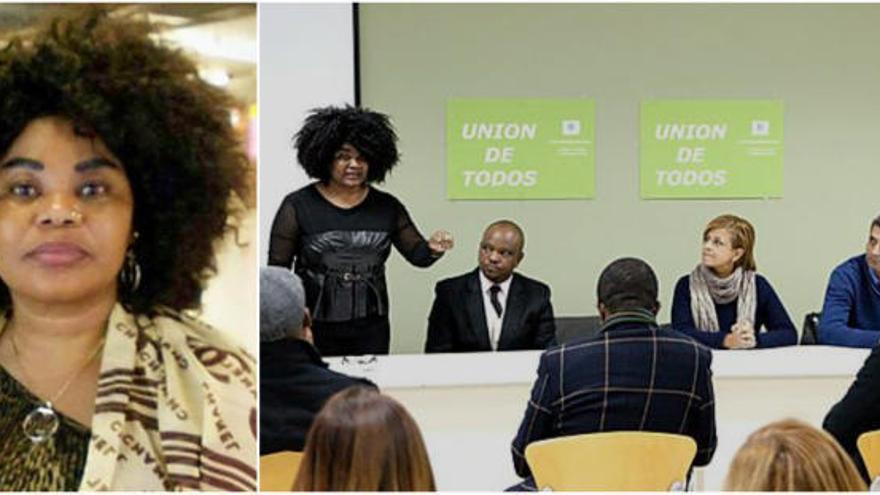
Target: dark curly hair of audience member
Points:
x,y
170,129
327,129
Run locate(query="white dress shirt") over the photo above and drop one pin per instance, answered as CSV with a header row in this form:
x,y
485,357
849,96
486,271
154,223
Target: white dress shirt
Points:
x,y
493,321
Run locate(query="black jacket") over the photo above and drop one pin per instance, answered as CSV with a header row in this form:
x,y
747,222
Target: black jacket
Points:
x,y
294,385
859,410
457,322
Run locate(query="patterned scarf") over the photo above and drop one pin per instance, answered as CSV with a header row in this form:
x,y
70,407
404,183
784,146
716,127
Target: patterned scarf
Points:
x,y
175,409
707,289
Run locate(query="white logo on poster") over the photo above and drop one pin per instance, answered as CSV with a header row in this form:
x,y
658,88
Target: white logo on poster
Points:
x,y
571,127
760,128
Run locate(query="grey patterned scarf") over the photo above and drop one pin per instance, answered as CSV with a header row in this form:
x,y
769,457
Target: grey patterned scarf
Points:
x,y
707,289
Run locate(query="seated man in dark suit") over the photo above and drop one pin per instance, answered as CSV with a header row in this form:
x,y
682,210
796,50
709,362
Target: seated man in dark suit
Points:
x,y
633,376
859,410
492,308
294,381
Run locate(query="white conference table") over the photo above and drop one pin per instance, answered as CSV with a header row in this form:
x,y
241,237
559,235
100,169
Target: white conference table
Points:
x,y
469,406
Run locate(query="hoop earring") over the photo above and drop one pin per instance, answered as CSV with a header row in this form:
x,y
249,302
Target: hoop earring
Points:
x,y
130,276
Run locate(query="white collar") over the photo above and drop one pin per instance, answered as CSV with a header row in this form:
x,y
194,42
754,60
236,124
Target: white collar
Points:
x,y
485,283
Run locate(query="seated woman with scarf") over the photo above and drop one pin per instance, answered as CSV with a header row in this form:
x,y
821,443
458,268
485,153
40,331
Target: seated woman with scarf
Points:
x,y
724,303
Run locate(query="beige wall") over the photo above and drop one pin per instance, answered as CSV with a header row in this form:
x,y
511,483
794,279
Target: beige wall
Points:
x,y
820,60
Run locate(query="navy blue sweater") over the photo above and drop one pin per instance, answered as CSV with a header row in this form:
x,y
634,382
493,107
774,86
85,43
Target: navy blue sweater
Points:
x,y
769,313
851,313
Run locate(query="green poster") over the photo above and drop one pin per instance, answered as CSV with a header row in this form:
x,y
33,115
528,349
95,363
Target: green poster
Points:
x,y
711,149
519,148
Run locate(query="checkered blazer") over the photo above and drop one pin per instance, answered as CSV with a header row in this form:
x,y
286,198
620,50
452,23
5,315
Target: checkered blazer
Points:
x,y
632,376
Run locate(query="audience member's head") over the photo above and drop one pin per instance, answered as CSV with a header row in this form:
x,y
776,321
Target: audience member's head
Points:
x,y
790,455
501,250
364,441
283,310
627,284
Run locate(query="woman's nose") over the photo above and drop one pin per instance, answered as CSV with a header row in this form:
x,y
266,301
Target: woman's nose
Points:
x,y
60,213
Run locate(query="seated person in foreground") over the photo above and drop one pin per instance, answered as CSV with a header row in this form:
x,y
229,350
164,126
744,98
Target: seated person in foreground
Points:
x,y
492,308
724,303
364,441
633,376
859,410
851,313
294,381
792,456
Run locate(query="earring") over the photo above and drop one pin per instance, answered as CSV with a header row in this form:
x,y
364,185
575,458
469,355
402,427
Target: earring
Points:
x,y
130,276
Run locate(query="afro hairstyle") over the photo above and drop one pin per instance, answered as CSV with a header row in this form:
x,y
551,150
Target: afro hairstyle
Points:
x,y
170,129
327,129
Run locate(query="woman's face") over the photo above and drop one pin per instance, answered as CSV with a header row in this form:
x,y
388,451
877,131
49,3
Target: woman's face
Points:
x,y
718,251
349,168
65,215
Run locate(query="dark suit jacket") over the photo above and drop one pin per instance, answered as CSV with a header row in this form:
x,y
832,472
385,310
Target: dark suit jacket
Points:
x,y
294,385
458,321
632,376
859,410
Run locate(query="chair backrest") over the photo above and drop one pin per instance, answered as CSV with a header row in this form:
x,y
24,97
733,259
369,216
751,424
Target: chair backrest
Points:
x,y
278,470
869,448
569,328
810,332
612,461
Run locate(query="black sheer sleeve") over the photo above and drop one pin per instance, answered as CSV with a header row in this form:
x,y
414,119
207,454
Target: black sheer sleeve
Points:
x,y
284,237
408,241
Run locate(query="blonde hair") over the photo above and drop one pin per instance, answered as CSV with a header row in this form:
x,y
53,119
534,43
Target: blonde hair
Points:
x,y
790,455
742,236
364,441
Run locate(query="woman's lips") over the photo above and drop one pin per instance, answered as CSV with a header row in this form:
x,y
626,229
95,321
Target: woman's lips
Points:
x,y
57,254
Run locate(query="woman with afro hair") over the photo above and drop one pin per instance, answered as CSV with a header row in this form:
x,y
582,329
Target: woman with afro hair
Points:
x,y
337,232
117,167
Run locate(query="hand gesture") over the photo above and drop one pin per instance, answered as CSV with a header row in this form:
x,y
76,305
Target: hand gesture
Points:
x,y
440,242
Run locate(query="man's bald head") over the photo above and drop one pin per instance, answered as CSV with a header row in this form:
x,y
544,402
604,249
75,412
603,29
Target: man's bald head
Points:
x,y
501,250
508,225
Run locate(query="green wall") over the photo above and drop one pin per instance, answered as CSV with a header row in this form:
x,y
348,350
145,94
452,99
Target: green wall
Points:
x,y
821,60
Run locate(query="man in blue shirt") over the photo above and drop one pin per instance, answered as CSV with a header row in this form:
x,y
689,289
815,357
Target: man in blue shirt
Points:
x,y
851,313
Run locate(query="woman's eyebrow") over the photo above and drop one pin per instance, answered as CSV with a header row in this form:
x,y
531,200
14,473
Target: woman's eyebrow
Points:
x,y
22,162
95,163
84,166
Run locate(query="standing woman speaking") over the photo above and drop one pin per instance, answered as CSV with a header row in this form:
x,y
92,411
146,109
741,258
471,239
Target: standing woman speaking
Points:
x,y
337,232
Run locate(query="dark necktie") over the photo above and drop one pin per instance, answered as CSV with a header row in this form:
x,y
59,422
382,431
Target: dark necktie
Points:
x,y
493,298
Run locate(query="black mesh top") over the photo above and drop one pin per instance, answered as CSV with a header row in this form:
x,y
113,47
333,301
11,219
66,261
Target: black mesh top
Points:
x,y
340,253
